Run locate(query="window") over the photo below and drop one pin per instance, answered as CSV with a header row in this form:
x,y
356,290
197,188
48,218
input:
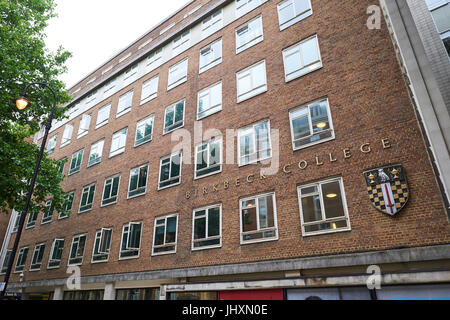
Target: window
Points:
x,y
118,142
177,74
251,81
48,212
181,43
149,89
32,217
244,6
131,240
249,34
138,181
77,250
311,124
440,11
165,235
95,156
258,218
38,254
210,56
6,261
208,158
90,99
212,24
87,198
110,190
67,135
170,171
174,117
62,165
21,259
56,253
84,125
254,143
292,11
75,163
154,60
301,58
52,144
68,206
108,87
323,207
103,116
130,75
124,104
144,131
102,245
209,100
207,227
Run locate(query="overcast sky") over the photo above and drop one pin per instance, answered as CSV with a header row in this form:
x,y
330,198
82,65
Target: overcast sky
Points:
x,y
95,30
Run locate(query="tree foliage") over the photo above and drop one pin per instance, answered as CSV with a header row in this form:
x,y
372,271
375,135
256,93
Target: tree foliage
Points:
x,y
24,58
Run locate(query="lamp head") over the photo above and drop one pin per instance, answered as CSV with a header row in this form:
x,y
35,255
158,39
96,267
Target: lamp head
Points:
x,y
22,102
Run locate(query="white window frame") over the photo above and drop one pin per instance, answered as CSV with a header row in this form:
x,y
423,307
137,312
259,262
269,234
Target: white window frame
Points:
x,y
67,135
322,207
206,209
51,145
259,229
172,126
245,6
211,48
99,236
121,148
181,43
303,69
106,110
154,60
254,91
72,195
110,196
170,167
207,93
308,106
143,123
257,21
125,103
146,181
165,244
241,132
172,83
20,256
85,123
50,260
212,23
208,150
47,215
149,85
88,189
94,147
71,160
37,264
90,99
129,75
298,16
77,256
129,224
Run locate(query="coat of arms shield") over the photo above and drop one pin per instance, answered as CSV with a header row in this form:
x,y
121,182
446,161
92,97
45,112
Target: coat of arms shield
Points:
x,y
387,188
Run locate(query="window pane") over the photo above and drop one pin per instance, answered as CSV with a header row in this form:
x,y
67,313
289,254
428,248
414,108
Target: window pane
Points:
x,y
319,117
301,125
214,222
249,222
171,229
311,208
200,228
332,200
266,217
159,235
309,51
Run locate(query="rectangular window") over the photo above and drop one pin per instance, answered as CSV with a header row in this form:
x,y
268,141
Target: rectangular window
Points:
x,y
124,104
90,99
207,227
84,125
75,163
111,190
249,34
311,124
67,135
144,130
177,74
21,259
210,56
131,240
149,89
208,158
130,75
48,212
440,11
138,181
32,217
174,117
209,100
244,6
77,250
212,24
56,253
323,207
108,87
292,11
68,206
103,116
4,266
301,58
52,144
254,143
87,198
95,156
251,81
258,218
181,43
165,235
170,171
102,245
118,142
154,60
38,254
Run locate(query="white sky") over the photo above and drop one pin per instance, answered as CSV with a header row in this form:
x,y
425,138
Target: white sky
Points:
x,y
95,30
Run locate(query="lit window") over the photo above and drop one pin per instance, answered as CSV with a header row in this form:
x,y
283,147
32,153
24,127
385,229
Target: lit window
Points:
x,y
38,254
77,250
110,190
254,143
67,135
249,34
177,74
209,100
144,131
75,163
87,198
292,11
174,117
258,218
165,235
170,170
131,240
323,207
118,142
21,259
102,245
103,116
181,43
212,24
149,89
251,81
124,104
84,125
207,227
208,158
56,253
138,181
95,156
210,56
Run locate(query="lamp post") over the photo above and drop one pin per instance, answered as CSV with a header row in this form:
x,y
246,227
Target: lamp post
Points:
x,y
22,103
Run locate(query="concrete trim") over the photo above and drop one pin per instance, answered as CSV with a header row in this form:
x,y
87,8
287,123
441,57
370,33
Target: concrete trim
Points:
x,y
438,252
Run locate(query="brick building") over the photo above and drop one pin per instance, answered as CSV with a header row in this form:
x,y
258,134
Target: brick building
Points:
x,y
244,149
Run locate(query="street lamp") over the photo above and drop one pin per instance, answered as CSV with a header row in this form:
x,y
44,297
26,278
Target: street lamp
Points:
x,y
21,103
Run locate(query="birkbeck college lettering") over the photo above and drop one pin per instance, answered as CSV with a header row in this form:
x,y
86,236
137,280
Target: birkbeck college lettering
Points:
x,y
314,165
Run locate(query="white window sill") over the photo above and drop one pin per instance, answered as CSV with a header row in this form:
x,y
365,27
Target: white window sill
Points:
x,y
251,94
121,113
177,83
